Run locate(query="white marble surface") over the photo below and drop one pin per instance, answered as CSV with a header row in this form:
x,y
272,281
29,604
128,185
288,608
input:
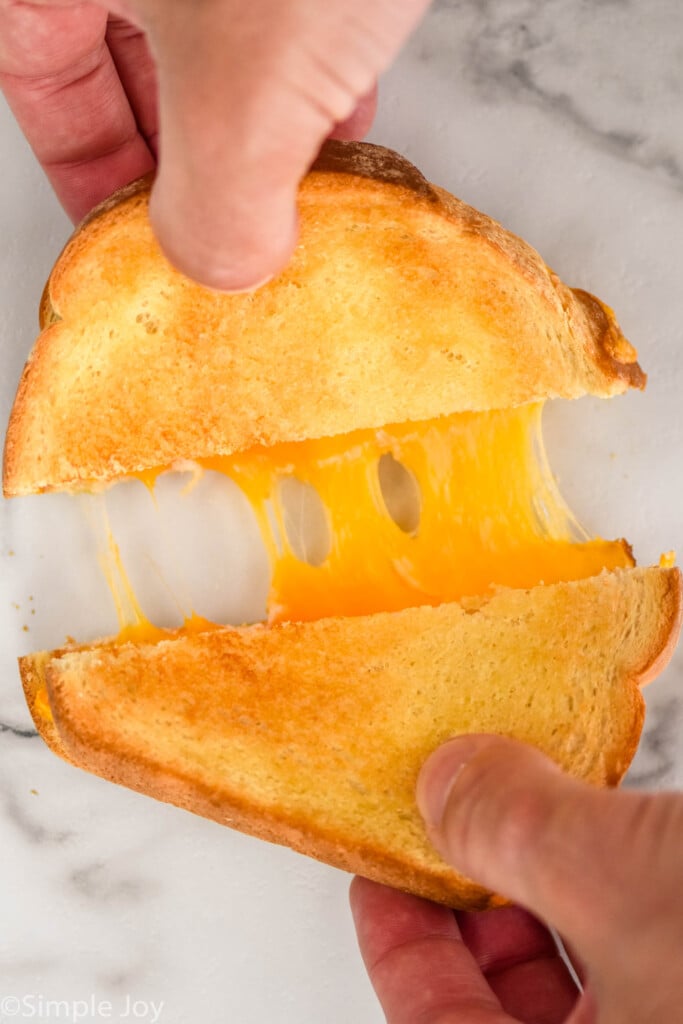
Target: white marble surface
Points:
x,y
562,118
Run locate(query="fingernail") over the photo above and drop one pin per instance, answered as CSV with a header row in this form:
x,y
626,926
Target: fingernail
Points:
x,y
440,773
228,288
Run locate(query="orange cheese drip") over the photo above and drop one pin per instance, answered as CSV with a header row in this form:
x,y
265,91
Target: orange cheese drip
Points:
x,y
489,515
140,630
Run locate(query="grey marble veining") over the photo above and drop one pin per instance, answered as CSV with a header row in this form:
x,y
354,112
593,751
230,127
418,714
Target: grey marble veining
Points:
x,y
564,119
18,731
610,75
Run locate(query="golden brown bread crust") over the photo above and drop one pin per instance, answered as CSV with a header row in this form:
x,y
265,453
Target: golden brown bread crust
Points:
x,y
400,303
232,724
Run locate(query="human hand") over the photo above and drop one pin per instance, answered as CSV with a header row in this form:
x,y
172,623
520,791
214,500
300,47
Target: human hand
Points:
x,y
604,867
236,96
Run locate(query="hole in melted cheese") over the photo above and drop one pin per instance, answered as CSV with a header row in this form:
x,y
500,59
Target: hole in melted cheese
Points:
x,y
304,520
400,492
489,515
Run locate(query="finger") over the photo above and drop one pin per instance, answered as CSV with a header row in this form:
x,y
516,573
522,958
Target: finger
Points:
x,y
417,962
238,135
500,938
61,83
359,123
521,962
133,61
504,814
414,954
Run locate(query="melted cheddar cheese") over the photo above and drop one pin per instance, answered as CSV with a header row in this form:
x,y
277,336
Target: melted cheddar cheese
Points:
x,y
488,514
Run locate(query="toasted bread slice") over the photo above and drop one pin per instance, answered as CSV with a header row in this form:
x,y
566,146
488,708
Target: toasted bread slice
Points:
x,y
312,734
400,303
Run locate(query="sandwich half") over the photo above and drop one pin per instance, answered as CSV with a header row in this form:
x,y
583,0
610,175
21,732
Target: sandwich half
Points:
x,y
390,382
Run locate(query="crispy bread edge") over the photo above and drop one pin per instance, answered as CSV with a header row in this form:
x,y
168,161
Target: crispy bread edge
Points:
x,y
48,315
663,645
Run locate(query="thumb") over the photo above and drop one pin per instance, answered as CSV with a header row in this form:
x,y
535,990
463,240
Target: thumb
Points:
x,y
247,95
591,862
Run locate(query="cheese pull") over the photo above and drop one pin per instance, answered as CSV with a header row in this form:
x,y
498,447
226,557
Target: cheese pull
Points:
x,y
412,514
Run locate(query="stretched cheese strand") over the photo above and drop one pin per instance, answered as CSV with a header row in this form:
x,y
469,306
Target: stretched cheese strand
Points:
x,y
478,508
489,514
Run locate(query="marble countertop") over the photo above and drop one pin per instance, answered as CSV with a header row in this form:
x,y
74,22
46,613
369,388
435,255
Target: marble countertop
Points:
x,y
564,120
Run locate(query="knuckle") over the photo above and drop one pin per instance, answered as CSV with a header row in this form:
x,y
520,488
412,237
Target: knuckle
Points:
x,y
649,865
612,866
